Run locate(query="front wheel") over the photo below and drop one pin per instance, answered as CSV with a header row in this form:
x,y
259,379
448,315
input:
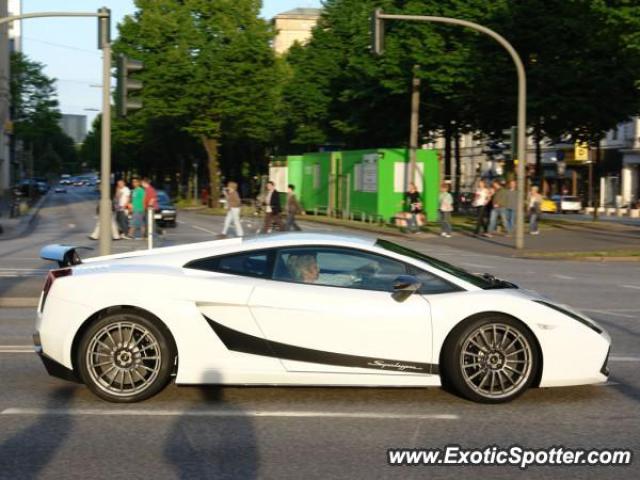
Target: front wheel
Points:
x,y
125,357
491,359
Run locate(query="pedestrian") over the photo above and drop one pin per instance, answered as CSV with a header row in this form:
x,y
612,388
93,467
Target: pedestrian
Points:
x,y
121,202
534,203
150,203
137,210
445,205
95,235
272,208
512,203
414,203
293,208
499,208
233,206
481,199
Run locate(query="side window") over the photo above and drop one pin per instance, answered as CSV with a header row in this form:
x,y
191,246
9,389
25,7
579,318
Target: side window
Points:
x,y
251,264
431,284
337,267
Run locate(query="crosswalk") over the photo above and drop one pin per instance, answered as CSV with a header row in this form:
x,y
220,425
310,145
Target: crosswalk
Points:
x,y
22,272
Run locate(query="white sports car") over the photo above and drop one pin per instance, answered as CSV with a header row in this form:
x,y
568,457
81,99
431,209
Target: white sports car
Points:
x,y
304,309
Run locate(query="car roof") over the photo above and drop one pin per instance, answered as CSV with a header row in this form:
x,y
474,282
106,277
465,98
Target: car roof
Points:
x,y
307,238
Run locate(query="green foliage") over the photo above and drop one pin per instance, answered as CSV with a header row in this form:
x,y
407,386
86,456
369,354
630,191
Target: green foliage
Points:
x,y
34,110
210,76
582,59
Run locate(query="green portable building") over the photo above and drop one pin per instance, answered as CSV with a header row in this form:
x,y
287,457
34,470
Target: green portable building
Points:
x,y
370,182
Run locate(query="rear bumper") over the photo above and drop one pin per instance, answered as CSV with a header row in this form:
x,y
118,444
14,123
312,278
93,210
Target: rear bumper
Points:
x,y
53,368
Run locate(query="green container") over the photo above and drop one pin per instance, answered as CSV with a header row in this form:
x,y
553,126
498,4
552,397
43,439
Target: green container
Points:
x,y
363,182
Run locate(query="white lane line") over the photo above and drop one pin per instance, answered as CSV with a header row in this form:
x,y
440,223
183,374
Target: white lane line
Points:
x,y
204,229
608,312
624,359
16,349
635,287
224,413
476,265
563,277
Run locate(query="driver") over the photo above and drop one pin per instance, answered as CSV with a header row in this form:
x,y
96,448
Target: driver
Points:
x,y
303,267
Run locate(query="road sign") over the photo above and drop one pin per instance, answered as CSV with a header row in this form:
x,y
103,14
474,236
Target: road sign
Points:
x,y
581,152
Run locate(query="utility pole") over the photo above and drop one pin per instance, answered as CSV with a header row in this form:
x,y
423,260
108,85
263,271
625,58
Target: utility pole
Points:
x,y
377,22
104,42
415,121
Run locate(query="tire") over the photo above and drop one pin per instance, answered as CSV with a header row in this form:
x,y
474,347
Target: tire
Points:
x,y
489,367
126,357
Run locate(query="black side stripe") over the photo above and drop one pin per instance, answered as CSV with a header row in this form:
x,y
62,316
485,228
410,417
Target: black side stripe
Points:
x,y
245,343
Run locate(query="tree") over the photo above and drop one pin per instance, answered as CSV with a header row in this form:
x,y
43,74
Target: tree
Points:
x,y
209,72
34,110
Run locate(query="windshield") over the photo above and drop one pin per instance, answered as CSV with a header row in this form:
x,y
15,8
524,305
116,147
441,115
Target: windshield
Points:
x,y
458,272
163,197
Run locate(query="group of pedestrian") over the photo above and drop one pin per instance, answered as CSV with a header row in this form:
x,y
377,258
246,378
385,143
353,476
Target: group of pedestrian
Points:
x,y
131,203
499,202
271,205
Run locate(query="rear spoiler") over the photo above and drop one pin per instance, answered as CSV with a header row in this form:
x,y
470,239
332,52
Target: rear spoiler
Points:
x,y
65,255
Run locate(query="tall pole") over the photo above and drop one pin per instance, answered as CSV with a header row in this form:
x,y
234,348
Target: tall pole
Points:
x,y
522,94
415,120
105,150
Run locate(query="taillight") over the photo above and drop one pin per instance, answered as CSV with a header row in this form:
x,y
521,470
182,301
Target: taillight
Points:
x,y
51,277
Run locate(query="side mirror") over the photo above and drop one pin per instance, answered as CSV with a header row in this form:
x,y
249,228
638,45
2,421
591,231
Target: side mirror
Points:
x,y
404,286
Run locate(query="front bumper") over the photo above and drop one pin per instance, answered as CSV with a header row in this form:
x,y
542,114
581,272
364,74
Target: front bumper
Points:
x,y
53,368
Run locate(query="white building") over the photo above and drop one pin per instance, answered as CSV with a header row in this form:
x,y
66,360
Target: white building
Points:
x,y
294,26
624,189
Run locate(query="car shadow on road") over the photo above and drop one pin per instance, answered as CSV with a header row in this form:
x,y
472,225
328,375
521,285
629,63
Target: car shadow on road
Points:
x,y
26,454
214,439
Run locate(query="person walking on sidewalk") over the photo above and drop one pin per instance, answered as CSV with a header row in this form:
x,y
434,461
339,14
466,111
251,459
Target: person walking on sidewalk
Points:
x,y
445,205
272,208
512,203
121,203
499,208
137,210
293,208
534,203
234,206
481,199
412,198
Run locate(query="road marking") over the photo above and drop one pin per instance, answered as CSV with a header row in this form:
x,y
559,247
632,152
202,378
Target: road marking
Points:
x,y
608,312
19,302
224,413
563,277
204,229
16,349
477,265
635,287
624,359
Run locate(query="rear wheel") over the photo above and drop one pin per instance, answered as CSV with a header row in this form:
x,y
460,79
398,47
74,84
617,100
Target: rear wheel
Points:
x,y
491,359
126,357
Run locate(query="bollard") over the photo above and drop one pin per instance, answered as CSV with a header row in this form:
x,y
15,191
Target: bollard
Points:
x,y
150,222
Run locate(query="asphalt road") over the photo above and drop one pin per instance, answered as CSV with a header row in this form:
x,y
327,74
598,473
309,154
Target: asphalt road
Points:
x,y
53,429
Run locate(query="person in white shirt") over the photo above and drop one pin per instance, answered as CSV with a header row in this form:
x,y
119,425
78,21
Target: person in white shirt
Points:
x,y
480,201
121,203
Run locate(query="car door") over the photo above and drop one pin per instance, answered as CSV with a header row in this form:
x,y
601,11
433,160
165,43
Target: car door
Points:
x,y
339,315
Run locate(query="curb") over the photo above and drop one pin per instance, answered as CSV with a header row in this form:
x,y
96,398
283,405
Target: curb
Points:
x,y
26,221
579,259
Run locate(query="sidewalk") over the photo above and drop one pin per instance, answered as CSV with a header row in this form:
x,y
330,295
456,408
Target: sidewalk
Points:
x,y
557,240
11,228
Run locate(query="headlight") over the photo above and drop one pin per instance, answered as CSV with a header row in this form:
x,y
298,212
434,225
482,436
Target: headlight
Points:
x,y
569,313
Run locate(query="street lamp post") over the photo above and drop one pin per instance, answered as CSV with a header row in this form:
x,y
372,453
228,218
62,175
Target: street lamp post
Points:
x,y
104,42
378,47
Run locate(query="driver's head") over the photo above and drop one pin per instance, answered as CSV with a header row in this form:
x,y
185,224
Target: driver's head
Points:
x,y
304,268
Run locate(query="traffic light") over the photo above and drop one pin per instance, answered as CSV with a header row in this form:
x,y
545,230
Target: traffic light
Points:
x,y
126,85
377,32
